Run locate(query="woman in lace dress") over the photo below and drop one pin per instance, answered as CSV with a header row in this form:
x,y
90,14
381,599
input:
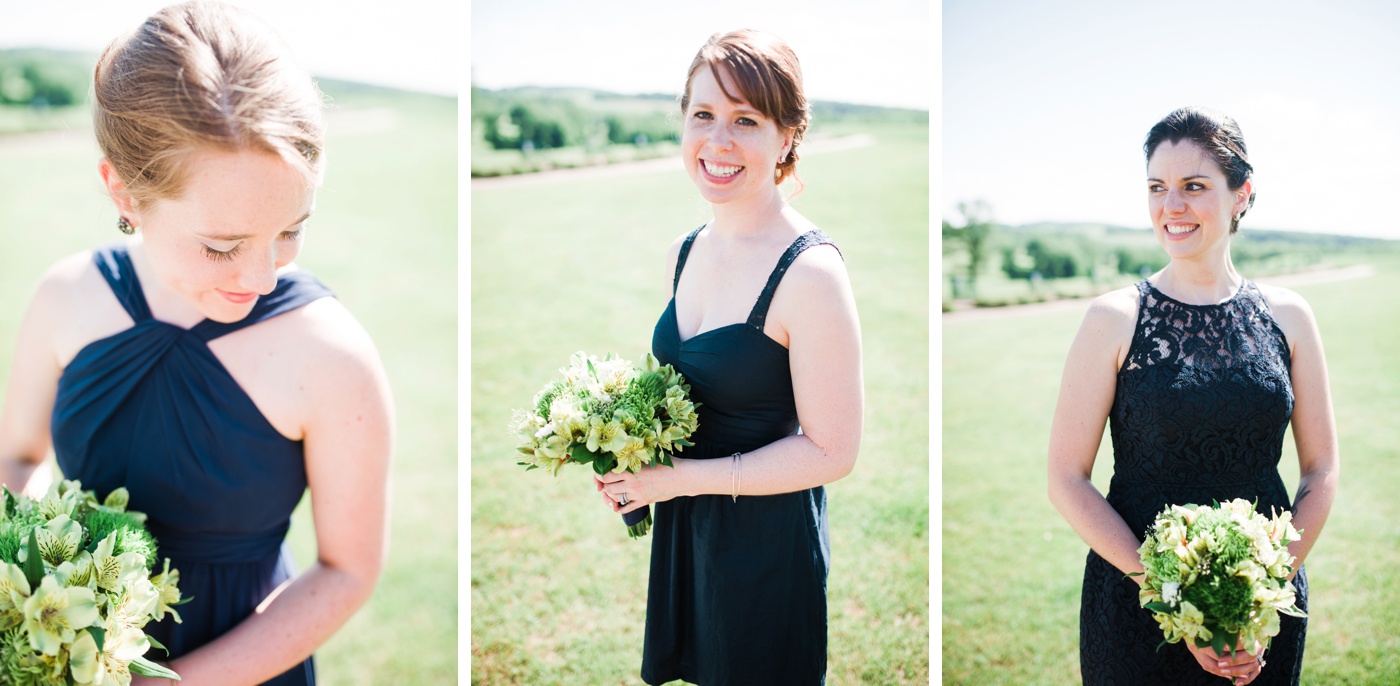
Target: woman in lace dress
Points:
x,y
1199,372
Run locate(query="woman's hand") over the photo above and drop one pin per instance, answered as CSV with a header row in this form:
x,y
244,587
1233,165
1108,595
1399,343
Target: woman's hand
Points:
x,y
1244,667
651,484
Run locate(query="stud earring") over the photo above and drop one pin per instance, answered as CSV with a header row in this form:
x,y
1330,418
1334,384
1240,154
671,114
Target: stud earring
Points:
x,y
125,226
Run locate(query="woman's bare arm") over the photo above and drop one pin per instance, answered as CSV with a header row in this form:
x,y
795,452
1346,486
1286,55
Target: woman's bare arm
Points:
x,y
1086,396
349,441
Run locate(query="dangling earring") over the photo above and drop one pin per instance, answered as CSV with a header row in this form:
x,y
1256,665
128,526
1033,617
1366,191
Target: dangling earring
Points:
x,y
125,226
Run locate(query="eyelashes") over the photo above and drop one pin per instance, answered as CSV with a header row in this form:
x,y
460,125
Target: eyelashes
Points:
x,y
706,116
228,255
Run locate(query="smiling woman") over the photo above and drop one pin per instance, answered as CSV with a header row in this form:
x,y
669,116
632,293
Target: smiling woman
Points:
x,y
762,324
1200,371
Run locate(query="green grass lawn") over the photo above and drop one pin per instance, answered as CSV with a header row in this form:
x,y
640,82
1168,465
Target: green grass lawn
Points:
x,y
1012,567
385,239
558,590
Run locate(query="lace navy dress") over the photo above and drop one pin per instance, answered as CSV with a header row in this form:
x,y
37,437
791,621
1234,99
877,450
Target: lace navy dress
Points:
x,y
737,592
1199,414
152,409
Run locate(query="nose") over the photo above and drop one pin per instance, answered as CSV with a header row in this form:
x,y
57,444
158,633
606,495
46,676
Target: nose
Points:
x,y
1175,202
259,274
720,139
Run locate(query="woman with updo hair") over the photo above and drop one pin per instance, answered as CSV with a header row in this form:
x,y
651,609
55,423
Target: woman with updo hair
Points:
x,y
762,323
195,365
1199,371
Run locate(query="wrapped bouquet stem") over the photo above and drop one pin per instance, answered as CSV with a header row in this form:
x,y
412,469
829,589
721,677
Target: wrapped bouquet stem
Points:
x,y
1219,575
612,414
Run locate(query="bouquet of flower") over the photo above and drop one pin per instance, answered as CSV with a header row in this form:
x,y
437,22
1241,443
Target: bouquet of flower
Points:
x,y
612,413
1218,575
76,589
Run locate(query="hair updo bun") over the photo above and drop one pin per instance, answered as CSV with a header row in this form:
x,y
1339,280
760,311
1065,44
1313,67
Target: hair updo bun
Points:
x,y
201,75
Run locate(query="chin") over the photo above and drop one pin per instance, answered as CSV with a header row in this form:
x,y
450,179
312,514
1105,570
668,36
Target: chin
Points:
x,y
228,313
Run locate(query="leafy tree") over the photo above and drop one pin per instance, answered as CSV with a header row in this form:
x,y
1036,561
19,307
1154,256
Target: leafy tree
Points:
x,y
973,236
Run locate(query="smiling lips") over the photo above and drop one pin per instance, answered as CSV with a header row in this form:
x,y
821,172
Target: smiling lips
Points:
x,y
720,171
1181,229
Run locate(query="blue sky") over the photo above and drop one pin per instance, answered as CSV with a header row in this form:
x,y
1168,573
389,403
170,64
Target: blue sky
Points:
x,y
876,52
1045,105
412,44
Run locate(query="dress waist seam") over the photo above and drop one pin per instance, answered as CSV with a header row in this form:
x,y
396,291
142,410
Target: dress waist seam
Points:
x,y
1176,484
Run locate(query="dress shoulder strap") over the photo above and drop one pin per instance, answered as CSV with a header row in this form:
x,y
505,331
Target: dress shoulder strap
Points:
x,y
680,259
293,290
114,262
760,309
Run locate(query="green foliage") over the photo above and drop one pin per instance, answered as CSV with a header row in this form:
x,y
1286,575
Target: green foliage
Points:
x,y
539,119
132,537
973,236
1048,257
14,533
44,78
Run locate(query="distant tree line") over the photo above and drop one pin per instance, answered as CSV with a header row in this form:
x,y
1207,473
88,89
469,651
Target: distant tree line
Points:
x,y
1043,253
43,78
537,118
534,120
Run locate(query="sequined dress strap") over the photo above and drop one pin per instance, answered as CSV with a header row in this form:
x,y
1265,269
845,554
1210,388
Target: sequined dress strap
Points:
x,y
806,240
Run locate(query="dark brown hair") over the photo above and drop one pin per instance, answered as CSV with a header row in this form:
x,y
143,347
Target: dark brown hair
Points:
x,y
768,76
1217,135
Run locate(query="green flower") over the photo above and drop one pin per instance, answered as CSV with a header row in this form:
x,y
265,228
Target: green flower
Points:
x,y
76,572
14,590
167,585
631,455
116,572
122,644
605,436
53,615
118,499
59,540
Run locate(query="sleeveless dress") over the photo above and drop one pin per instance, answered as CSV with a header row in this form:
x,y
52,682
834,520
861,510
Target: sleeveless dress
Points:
x,y
737,592
1199,414
152,409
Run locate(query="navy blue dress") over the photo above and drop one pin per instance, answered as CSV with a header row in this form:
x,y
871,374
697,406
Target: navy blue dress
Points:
x,y
737,592
151,409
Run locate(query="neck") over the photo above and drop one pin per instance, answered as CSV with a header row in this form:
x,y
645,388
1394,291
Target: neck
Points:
x,y
749,218
165,304
1201,281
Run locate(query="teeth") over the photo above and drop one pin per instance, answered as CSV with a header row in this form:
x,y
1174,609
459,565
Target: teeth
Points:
x,y
720,169
1180,228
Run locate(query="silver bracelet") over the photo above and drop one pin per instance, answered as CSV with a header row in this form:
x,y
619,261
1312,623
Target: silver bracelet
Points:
x,y
735,476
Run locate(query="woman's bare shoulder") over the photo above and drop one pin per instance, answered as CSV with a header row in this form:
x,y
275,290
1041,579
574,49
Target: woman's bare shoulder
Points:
x,y
75,275
1109,323
1117,308
1291,311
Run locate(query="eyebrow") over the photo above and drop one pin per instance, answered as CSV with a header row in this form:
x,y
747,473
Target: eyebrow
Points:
x,y
739,110
1193,176
239,237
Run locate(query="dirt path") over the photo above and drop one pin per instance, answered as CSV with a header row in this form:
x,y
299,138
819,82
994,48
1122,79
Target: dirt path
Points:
x,y
1082,304
660,164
